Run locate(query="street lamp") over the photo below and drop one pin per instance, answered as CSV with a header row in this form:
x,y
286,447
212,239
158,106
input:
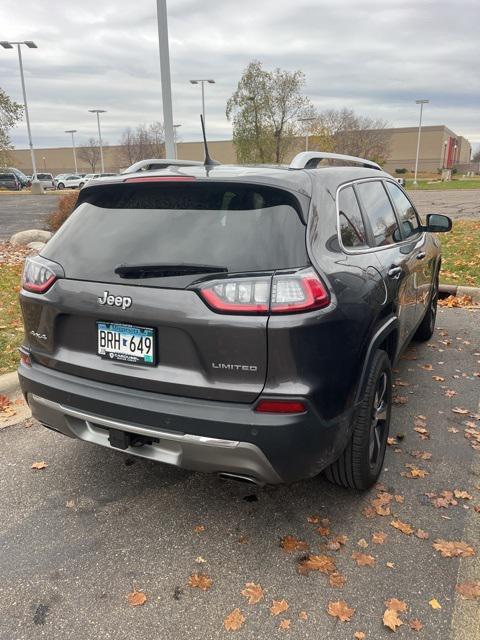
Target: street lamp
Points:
x,y
175,129
98,112
307,129
421,103
444,153
202,82
36,186
73,131
162,20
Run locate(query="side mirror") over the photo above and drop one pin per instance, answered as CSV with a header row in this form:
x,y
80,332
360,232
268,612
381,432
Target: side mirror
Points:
x,y
438,223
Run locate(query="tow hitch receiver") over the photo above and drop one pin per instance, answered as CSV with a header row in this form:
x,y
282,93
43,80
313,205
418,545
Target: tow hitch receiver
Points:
x,y
122,439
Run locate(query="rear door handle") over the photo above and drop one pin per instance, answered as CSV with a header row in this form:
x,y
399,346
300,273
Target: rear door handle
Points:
x,y
395,272
421,255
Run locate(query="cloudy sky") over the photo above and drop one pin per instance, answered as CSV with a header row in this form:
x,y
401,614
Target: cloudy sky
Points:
x,y
375,57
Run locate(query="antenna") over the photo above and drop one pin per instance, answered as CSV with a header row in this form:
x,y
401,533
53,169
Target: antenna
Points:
x,y
209,162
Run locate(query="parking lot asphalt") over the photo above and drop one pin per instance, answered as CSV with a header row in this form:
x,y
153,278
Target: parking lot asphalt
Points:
x,y
19,212
77,536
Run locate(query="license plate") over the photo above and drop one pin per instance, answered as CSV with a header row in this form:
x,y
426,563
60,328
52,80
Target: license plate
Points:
x,y
126,343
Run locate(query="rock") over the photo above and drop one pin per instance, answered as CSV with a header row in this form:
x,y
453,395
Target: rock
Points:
x,y
38,246
31,235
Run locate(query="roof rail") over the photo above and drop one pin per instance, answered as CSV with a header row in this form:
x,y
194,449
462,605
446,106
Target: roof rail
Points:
x,y
307,160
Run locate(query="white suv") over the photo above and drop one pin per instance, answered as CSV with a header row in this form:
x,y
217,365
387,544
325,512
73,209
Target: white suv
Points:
x,y
68,181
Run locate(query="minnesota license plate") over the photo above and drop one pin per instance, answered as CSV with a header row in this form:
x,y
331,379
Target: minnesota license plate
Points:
x,y
126,343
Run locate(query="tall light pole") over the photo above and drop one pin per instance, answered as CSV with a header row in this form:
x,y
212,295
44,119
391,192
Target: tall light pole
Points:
x,y
202,82
307,129
36,186
421,103
165,77
98,112
73,132
175,127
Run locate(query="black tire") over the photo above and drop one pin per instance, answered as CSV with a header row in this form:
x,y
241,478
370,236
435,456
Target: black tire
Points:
x,y
361,462
60,185
427,326
80,186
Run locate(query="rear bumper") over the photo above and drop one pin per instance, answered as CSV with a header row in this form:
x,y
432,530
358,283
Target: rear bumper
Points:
x,y
220,437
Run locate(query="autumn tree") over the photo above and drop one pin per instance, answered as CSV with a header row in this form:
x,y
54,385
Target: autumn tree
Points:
x,y
344,131
145,141
89,153
265,110
10,113
476,156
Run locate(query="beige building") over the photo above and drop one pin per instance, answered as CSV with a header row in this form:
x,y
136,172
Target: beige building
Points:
x,y
440,147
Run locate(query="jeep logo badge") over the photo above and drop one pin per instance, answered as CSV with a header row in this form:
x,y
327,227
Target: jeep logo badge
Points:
x,y
124,302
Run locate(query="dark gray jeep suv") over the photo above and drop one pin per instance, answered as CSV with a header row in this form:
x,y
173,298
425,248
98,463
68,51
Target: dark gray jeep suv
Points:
x,y
240,320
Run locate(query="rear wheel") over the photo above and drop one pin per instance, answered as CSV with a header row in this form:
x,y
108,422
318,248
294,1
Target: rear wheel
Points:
x,y
60,185
427,326
361,462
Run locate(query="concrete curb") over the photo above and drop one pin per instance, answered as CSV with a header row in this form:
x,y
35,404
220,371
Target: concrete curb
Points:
x,y
459,290
10,387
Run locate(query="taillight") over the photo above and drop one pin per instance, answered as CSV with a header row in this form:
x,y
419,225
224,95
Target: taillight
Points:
x,y
39,274
282,293
280,406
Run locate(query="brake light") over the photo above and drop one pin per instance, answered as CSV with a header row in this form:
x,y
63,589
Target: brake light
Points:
x,y
161,179
282,293
38,276
280,406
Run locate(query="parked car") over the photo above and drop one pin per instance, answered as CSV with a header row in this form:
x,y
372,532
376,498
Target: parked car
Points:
x,y
153,164
10,181
68,181
46,180
92,176
24,180
239,320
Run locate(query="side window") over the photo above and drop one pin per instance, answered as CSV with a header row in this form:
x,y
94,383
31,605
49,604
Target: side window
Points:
x,y
380,213
406,213
352,230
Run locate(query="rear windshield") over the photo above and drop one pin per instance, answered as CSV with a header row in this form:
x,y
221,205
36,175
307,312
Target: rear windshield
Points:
x,y
44,176
234,226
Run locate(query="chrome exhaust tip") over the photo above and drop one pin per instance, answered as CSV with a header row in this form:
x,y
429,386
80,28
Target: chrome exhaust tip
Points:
x,y
240,478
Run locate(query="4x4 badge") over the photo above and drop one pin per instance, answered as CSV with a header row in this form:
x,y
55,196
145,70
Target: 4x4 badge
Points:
x,y
124,302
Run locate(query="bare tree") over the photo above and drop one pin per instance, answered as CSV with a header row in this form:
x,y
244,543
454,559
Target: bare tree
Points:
x,y
265,109
10,113
89,152
343,131
145,141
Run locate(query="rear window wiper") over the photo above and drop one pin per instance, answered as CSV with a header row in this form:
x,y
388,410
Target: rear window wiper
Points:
x,y
165,270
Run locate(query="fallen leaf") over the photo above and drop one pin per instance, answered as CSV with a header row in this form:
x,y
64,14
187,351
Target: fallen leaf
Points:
x,y
421,455
336,580
452,430
434,603
390,565
415,625
284,624
460,410
423,535
414,472
323,531
200,560
469,590
391,619
359,635
462,494
278,607
404,527
362,543
253,592
438,378
321,563
449,393
200,581
363,560
243,539
291,543
453,549
368,511
313,519
379,537
136,598
391,441
396,605
426,367
234,620
340,610
199,528
399,400
303,615
70,504
39,465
